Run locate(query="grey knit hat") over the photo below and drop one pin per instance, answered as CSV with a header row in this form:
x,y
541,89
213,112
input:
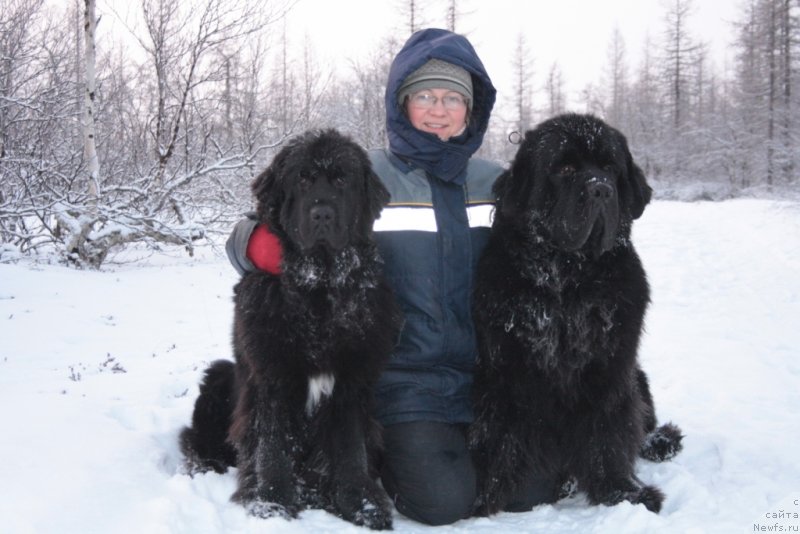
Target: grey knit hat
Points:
x,y
437,74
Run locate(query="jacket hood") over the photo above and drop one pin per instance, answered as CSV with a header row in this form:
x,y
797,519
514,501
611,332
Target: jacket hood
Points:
x,y
446,160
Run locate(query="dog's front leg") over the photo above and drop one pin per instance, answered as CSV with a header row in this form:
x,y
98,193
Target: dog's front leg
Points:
x,y
266,473
608,471
357,497
496,440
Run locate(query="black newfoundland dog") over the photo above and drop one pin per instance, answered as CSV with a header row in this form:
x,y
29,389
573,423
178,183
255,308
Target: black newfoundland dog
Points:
x,y
293,412
559,305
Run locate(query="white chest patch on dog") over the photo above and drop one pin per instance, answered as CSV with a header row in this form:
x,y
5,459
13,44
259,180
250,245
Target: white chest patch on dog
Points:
x,y
319,386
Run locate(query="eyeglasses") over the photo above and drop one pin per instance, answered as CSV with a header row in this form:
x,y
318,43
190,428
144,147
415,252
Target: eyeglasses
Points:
x,y
426,100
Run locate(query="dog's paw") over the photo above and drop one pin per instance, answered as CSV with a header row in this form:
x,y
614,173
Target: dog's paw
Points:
x,y
366,506
376,516
479,507
662,444
311,497
567,489
484,506
266,510
197,462
650,496
193,465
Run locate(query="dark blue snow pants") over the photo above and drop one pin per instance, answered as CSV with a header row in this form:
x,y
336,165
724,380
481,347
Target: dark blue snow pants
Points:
x,y
428,472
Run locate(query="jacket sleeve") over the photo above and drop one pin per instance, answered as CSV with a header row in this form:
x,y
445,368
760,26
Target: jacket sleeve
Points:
x,y
236,246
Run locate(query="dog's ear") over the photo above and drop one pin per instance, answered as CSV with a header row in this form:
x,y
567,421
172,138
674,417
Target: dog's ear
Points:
x,y
513,188
268,191
500,190
641,190
377,194
635,192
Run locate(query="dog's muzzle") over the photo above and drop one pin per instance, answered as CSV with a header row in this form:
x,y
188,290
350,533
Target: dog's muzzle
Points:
x,y
322,226
323,218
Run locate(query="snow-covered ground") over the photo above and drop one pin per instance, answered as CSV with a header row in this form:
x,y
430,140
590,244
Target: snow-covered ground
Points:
x,y
99,371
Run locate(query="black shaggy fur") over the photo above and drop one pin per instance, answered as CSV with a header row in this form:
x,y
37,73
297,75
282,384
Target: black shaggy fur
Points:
x,y
559,306
293,412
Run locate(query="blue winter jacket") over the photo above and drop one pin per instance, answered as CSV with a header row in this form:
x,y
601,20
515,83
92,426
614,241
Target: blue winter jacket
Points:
x,y
430,236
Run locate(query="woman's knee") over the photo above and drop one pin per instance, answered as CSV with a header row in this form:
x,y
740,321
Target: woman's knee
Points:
x,y
438,506
428,472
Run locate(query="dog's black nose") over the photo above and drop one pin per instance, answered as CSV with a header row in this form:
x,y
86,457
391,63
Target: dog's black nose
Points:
x,y
599,191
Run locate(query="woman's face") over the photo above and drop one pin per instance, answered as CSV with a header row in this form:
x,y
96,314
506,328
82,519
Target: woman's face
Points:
x,y
441,112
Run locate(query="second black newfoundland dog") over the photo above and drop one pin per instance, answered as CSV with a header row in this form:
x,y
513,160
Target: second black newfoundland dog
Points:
x,y
559,304
293,413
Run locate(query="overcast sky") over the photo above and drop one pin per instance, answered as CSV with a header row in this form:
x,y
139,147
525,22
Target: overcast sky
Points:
x,y
575,33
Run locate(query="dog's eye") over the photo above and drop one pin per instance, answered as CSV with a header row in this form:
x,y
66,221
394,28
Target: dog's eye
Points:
x,y
338,181
305,183
566,170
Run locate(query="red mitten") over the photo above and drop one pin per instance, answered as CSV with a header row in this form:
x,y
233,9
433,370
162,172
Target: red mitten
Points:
x,y
264,250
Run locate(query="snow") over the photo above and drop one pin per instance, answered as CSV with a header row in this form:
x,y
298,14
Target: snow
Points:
x,y
99,372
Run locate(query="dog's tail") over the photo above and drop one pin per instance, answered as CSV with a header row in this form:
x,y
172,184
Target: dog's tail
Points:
x,y
205,444
662,443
